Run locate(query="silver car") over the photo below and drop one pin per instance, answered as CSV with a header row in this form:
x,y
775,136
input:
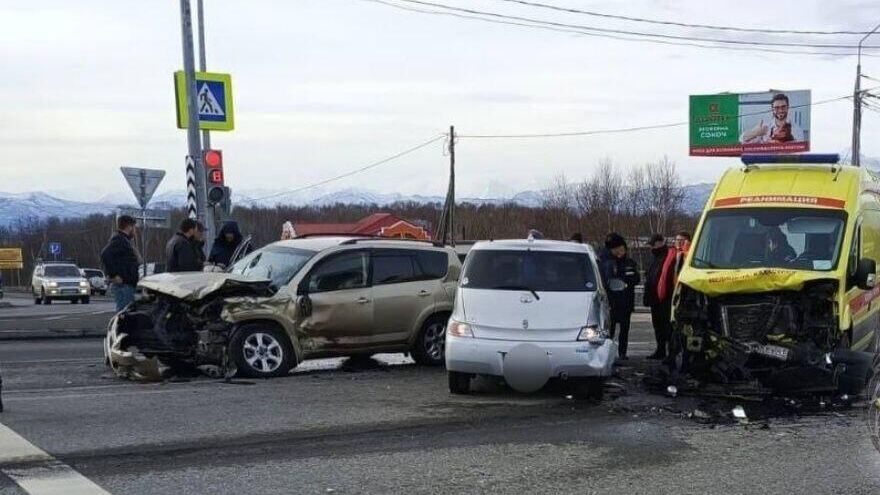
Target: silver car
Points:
x,y
528,311
59,281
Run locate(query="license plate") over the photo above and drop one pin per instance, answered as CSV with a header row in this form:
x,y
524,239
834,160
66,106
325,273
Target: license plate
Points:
x,y
772,351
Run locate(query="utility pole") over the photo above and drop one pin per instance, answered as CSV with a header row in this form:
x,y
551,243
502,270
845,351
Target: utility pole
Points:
x,y
203,65
203,214
857,105
452,185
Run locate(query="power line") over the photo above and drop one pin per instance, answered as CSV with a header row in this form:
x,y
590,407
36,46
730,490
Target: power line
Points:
x,y
353,172
680,24
632,129
615,37
635,33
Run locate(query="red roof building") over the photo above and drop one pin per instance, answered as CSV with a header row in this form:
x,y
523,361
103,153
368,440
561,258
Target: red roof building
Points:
x,y
378,224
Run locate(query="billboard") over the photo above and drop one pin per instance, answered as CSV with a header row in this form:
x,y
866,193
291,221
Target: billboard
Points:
x,y
730,124
10,259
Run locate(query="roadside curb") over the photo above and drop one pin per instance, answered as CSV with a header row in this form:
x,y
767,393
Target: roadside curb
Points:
x,y
83,333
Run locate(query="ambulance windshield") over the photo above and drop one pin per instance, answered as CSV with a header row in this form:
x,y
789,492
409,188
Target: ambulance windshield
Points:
x,y
798,239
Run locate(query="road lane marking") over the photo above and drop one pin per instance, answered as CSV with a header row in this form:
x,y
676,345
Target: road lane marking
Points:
x,y
37,472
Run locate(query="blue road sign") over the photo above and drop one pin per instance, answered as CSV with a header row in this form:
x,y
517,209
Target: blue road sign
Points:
x,y
55,249
214,97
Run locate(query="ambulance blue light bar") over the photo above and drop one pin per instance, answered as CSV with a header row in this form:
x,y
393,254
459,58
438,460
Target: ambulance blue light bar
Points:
x,y
826,158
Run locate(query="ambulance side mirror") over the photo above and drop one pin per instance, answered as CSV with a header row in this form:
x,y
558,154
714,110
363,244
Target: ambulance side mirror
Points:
x,y
866,274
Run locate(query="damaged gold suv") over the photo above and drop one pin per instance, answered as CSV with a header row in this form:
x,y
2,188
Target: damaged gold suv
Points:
x,y
290,301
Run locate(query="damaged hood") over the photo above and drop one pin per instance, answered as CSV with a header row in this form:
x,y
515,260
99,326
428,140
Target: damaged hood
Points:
x,y
752,280
193,286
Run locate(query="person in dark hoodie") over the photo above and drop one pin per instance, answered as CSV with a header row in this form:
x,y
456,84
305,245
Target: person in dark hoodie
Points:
x,y
225,244
120,260
659,285
620,275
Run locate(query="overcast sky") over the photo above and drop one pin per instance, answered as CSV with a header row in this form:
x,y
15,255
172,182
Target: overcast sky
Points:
x,y
322,87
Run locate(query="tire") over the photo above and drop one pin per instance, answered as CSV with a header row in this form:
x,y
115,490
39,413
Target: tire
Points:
x,y
46,300
261,351
74,301
86,300
37,300
459,383
429,347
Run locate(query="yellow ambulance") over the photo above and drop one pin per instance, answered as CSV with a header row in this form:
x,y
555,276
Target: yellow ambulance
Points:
x,y
778,289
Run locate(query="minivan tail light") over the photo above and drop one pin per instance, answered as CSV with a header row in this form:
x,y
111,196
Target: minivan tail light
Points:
x,y
592,334
459,329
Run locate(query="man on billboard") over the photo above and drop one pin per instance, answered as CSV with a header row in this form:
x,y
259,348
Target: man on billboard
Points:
x,y
780,131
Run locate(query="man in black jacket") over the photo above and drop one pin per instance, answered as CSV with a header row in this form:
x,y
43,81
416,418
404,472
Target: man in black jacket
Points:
x,y
121,261
181,252
659,285
620,275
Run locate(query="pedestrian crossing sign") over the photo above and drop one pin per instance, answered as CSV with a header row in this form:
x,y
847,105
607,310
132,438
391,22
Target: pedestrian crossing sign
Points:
x,y
214,92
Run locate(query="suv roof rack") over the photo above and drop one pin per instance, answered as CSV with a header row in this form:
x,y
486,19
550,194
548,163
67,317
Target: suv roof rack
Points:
x,y
398,239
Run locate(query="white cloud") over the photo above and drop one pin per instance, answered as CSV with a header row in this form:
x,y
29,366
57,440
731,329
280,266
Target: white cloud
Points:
x,y
325,86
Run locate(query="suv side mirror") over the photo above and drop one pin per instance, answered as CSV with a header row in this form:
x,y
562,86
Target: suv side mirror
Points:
x,y
866,274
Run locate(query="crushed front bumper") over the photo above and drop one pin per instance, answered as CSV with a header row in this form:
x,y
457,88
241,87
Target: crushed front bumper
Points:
x,y
566,359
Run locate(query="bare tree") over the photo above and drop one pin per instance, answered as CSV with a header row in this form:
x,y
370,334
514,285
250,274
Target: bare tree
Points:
x,y
664,194
559,201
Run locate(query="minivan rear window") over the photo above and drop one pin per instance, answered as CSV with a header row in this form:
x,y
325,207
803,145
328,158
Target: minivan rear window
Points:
x,y
546,271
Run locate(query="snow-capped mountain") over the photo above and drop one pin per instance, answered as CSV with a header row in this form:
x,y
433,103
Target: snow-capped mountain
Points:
x,y
41,205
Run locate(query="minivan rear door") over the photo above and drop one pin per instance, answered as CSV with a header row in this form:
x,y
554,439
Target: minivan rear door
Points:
x,y
528,294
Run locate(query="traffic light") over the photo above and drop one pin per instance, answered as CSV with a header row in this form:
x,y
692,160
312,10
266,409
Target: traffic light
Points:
x,y
217,191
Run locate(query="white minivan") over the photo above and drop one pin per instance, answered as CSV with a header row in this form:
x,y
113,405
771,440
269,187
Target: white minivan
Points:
x,y
528,311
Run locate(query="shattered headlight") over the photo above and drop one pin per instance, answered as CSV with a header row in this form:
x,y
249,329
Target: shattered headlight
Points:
x,y
592,334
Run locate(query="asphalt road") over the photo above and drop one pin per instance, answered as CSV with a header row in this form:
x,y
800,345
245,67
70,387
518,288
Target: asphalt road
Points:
x,y
24,319
389,426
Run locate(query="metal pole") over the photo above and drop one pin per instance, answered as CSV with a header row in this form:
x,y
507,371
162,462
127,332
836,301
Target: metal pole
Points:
x,y
452,185
200,5
857,105
205,215
144,238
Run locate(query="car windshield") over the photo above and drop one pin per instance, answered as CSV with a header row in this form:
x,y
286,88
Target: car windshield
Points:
x,y
93,273
549,271
278,264
799,239
62,271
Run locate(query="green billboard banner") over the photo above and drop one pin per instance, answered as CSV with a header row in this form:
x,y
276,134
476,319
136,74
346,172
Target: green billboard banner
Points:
x,y
730,124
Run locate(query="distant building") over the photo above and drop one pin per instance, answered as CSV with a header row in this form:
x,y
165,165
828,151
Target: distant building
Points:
x,y
378,224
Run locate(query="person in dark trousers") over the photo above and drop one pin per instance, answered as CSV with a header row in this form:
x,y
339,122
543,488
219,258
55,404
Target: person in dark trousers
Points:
x,y
620,275
659,285
677,361
198,241
225,244
181,251
121,261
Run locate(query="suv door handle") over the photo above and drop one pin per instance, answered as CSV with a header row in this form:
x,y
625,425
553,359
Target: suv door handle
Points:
x,y
363,300
424,293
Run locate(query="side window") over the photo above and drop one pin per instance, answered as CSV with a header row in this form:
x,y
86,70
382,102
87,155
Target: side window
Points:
x,y
392,267
346,271
432,264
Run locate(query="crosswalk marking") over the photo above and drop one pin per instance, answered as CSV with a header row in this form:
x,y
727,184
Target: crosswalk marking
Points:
x,y
37,472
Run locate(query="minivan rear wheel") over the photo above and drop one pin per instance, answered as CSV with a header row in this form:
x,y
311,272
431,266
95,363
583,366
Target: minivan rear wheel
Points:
x,y
261,351
429,347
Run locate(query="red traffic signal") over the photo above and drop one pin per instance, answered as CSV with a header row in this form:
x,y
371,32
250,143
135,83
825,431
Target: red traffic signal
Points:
x,y
213,158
